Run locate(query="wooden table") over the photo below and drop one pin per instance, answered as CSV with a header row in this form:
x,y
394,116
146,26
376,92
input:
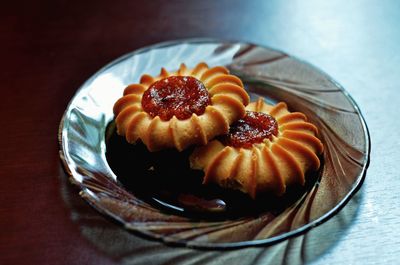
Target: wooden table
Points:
x,y
49,48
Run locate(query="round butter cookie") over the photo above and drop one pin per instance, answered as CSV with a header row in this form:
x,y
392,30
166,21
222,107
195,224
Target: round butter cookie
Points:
x,y
265,151
182,108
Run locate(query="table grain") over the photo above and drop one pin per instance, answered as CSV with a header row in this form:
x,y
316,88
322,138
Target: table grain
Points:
x,y
49,48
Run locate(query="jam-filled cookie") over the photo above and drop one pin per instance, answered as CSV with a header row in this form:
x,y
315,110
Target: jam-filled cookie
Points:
x,y
182,108
266,151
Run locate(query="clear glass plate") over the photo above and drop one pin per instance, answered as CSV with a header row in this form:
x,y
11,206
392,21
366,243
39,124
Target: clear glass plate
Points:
x,y
114,177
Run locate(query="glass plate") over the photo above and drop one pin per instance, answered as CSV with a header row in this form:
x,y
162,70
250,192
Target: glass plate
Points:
x,y
114,176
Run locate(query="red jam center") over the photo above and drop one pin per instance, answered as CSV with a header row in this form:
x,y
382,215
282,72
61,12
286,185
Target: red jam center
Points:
x,y
253,128
179,96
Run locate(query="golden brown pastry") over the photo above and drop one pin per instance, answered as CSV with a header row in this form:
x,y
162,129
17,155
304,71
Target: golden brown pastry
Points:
x,y
266,151
182,108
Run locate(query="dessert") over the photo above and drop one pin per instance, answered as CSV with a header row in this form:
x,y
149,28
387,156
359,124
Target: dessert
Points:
x,y
182,108
266,151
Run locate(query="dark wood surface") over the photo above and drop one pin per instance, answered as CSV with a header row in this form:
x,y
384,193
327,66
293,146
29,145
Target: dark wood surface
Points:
x,y
49,48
